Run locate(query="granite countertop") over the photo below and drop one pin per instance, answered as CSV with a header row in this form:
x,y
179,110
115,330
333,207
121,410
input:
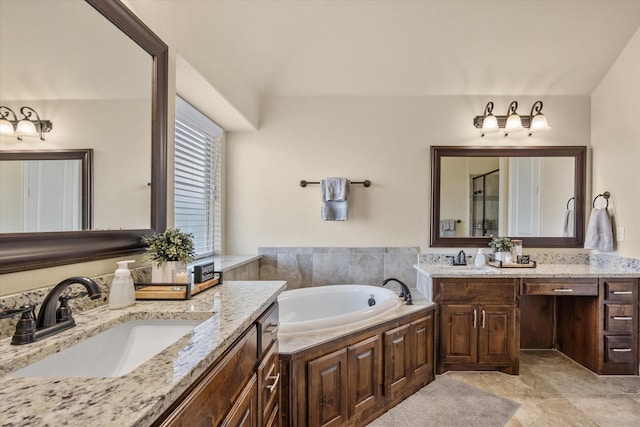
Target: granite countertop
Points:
x,y
541,270
138,398
227,262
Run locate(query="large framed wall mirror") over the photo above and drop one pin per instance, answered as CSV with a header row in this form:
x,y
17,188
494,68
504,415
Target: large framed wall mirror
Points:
x,y
536,194
102,79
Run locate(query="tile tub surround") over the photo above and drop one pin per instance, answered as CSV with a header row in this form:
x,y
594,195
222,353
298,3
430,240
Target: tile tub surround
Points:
x,y
139,397
78,305
304,267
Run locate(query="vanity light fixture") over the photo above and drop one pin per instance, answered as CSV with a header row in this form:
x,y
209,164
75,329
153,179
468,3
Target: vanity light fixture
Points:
x,y
535,122
26,126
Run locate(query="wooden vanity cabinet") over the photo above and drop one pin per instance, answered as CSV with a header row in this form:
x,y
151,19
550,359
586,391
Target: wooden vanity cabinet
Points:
x,y
354,379
479,324
618,323
239,389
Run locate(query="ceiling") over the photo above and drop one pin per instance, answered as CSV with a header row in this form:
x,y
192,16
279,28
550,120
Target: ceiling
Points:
x,y
397,47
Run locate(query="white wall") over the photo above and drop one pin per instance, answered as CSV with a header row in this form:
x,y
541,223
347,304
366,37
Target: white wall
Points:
x,y
615,137
119,135
384,139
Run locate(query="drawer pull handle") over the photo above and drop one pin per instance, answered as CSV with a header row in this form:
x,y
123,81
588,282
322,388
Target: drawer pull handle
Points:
x,y
563,290
271,329
622,292
275,380
475,318
484,315
621,350
622,318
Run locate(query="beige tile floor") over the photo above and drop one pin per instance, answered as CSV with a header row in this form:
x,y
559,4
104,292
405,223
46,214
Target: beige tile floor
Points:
x,y
553,390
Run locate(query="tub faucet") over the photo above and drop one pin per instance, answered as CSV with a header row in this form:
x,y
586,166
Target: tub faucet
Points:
x,y
51,319
406,294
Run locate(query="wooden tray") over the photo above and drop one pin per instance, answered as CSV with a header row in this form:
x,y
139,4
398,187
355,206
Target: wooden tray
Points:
x,y
174,291
500,264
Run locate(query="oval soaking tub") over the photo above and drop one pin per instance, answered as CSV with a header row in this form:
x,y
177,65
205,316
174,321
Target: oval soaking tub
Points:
x,y
310,310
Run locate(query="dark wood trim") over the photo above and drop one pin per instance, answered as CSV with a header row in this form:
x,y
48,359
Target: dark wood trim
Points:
x,y
28,251
579,154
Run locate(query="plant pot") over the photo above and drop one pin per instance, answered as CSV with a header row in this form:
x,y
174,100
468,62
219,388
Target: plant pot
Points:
x,y
164,273
501,256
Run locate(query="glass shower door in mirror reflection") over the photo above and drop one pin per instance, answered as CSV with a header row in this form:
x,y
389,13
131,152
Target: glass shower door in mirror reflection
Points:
x,y
511,196
44,195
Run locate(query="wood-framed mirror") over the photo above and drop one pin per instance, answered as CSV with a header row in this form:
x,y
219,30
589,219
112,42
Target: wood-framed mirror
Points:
x,y
50,190
535,194
27,251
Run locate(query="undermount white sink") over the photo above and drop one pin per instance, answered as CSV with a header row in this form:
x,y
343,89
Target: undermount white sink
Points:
x,y
112,353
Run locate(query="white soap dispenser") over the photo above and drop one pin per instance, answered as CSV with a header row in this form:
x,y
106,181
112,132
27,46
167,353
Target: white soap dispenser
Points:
x,y
480,259
123,293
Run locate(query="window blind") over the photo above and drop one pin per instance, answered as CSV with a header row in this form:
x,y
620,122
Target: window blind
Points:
x,y
196,177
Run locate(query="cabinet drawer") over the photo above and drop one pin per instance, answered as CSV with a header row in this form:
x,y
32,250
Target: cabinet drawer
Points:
x,y
619,349
225,383
618,318
269,383
476,291
560,287
620,290
268,328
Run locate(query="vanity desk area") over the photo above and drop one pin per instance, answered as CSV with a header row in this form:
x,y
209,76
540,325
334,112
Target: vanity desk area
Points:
x,y
487,314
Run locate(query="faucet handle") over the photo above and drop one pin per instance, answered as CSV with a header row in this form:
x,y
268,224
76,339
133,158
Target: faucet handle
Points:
x,y
26,326
63,312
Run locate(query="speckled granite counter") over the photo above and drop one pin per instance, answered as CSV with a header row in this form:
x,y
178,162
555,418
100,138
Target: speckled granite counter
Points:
x,y
139,397
226,262
542,270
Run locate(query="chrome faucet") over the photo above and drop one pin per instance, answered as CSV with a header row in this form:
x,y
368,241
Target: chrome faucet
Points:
x,y
405,293
51,318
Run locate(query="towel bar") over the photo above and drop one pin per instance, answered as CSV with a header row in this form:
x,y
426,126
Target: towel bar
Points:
x,y
604,195
304,182
569,201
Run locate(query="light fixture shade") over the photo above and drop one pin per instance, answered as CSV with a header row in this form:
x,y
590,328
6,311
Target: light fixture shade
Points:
x,y
538,124
513,124
26,128
6,128
490,124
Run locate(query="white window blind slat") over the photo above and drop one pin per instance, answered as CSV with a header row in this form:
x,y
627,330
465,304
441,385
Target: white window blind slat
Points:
x,y
196,177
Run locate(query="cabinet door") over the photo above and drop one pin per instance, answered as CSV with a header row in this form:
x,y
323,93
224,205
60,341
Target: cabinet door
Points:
x,y
245,411
496,329
397,355
327,390
422,354
458,333
365,363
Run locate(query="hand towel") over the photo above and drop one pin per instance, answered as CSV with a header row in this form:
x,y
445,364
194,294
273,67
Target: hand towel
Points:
x,y
568,223
599,232
447,228
335,199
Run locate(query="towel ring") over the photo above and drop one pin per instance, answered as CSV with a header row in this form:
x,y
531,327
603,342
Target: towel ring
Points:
x,y
569,201
604,195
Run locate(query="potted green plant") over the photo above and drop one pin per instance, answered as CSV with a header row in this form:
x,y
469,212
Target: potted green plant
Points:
x,y
501,246
169,251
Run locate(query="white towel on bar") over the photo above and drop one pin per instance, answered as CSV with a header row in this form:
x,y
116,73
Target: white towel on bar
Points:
x,y
568,223
599,232
447,228
335,199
